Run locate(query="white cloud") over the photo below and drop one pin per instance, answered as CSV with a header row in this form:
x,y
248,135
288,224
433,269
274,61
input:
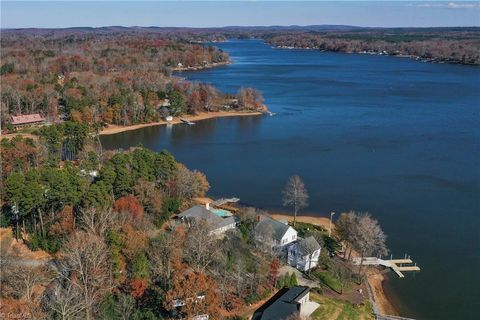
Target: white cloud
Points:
x,y
450,5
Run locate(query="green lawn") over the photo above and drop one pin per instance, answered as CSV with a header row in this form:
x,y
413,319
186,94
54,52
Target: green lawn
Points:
x,y
335,309
327,279
304,227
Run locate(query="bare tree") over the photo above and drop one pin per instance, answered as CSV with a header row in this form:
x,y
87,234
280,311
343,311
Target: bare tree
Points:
x,y
160,254
201,247
86,266
368,237
295,195
98,221
64,300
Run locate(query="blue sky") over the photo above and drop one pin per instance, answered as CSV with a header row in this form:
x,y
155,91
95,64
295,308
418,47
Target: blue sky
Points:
x,y
47,14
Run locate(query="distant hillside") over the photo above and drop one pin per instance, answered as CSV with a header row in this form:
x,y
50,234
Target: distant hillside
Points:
x,y
459,45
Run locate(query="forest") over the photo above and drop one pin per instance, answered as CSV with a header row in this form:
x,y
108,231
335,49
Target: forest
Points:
x,y
458,47
109,78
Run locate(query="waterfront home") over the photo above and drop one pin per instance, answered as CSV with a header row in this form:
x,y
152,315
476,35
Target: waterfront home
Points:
x,y
287,303
304,254
218,220
277,233
27,120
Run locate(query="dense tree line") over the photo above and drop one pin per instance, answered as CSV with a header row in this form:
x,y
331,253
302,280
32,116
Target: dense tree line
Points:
x,y
453,47
112,78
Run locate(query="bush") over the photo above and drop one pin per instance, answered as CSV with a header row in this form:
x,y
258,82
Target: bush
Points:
x,y
48,243
4,221
287,280
170,206
141,266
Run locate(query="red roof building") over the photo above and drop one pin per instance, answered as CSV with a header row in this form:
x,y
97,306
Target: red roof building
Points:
x,y
27,119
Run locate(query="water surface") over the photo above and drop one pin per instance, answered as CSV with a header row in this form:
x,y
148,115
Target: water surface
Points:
x,y
395,137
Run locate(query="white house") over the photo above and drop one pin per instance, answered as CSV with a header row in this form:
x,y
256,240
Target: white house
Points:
x,y
279,233
304,254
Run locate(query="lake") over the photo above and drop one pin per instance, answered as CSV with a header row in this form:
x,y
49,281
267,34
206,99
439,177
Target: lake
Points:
x,y
392,136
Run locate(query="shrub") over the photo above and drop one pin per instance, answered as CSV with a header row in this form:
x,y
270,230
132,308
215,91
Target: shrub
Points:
x,y
49,243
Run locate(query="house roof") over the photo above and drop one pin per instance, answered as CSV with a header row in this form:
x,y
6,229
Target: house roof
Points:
x,y
27,118
200,212
279,228
283,305
308,245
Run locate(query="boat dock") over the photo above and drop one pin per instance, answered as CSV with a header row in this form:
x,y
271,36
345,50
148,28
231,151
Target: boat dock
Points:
x,y
187,121
222,201
397,265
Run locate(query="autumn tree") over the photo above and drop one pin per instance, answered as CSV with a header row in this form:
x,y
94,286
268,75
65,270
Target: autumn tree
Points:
x,y
138,287
187,184
130,205
195,292
274,268
295,195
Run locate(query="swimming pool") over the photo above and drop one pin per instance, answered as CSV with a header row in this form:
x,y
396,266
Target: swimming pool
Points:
x,y
221,212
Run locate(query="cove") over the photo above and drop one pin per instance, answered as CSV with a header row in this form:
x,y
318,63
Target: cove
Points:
x,y
395,137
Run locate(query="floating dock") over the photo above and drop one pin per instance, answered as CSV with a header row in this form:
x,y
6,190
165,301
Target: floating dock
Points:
x,y
397,265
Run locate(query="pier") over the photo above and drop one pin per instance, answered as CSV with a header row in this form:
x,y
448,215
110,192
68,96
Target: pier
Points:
x,y
397,265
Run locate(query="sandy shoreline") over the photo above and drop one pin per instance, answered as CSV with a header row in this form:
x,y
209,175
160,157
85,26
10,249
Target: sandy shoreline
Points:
x,y
112,129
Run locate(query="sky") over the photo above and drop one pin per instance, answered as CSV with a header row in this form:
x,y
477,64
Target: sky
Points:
x,y
60,14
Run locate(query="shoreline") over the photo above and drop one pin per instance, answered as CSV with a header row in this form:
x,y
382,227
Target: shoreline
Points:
x,y
375,277
198,68
437,60
113,129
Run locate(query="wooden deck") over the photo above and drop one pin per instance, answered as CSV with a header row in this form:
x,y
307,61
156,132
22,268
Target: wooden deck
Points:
x,y
397,265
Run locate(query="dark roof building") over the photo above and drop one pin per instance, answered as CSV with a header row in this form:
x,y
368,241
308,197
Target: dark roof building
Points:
x,y
286,303
281,232
216,223
308,245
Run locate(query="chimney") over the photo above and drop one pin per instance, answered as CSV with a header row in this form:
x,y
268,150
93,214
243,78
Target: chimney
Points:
x,y
207,205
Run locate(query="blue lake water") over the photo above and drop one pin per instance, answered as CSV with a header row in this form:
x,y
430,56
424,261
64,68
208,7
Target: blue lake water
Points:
x,y
395,137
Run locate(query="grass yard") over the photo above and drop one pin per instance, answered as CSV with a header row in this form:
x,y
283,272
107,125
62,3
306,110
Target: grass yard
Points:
x,y
327,279
335,309
303,227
